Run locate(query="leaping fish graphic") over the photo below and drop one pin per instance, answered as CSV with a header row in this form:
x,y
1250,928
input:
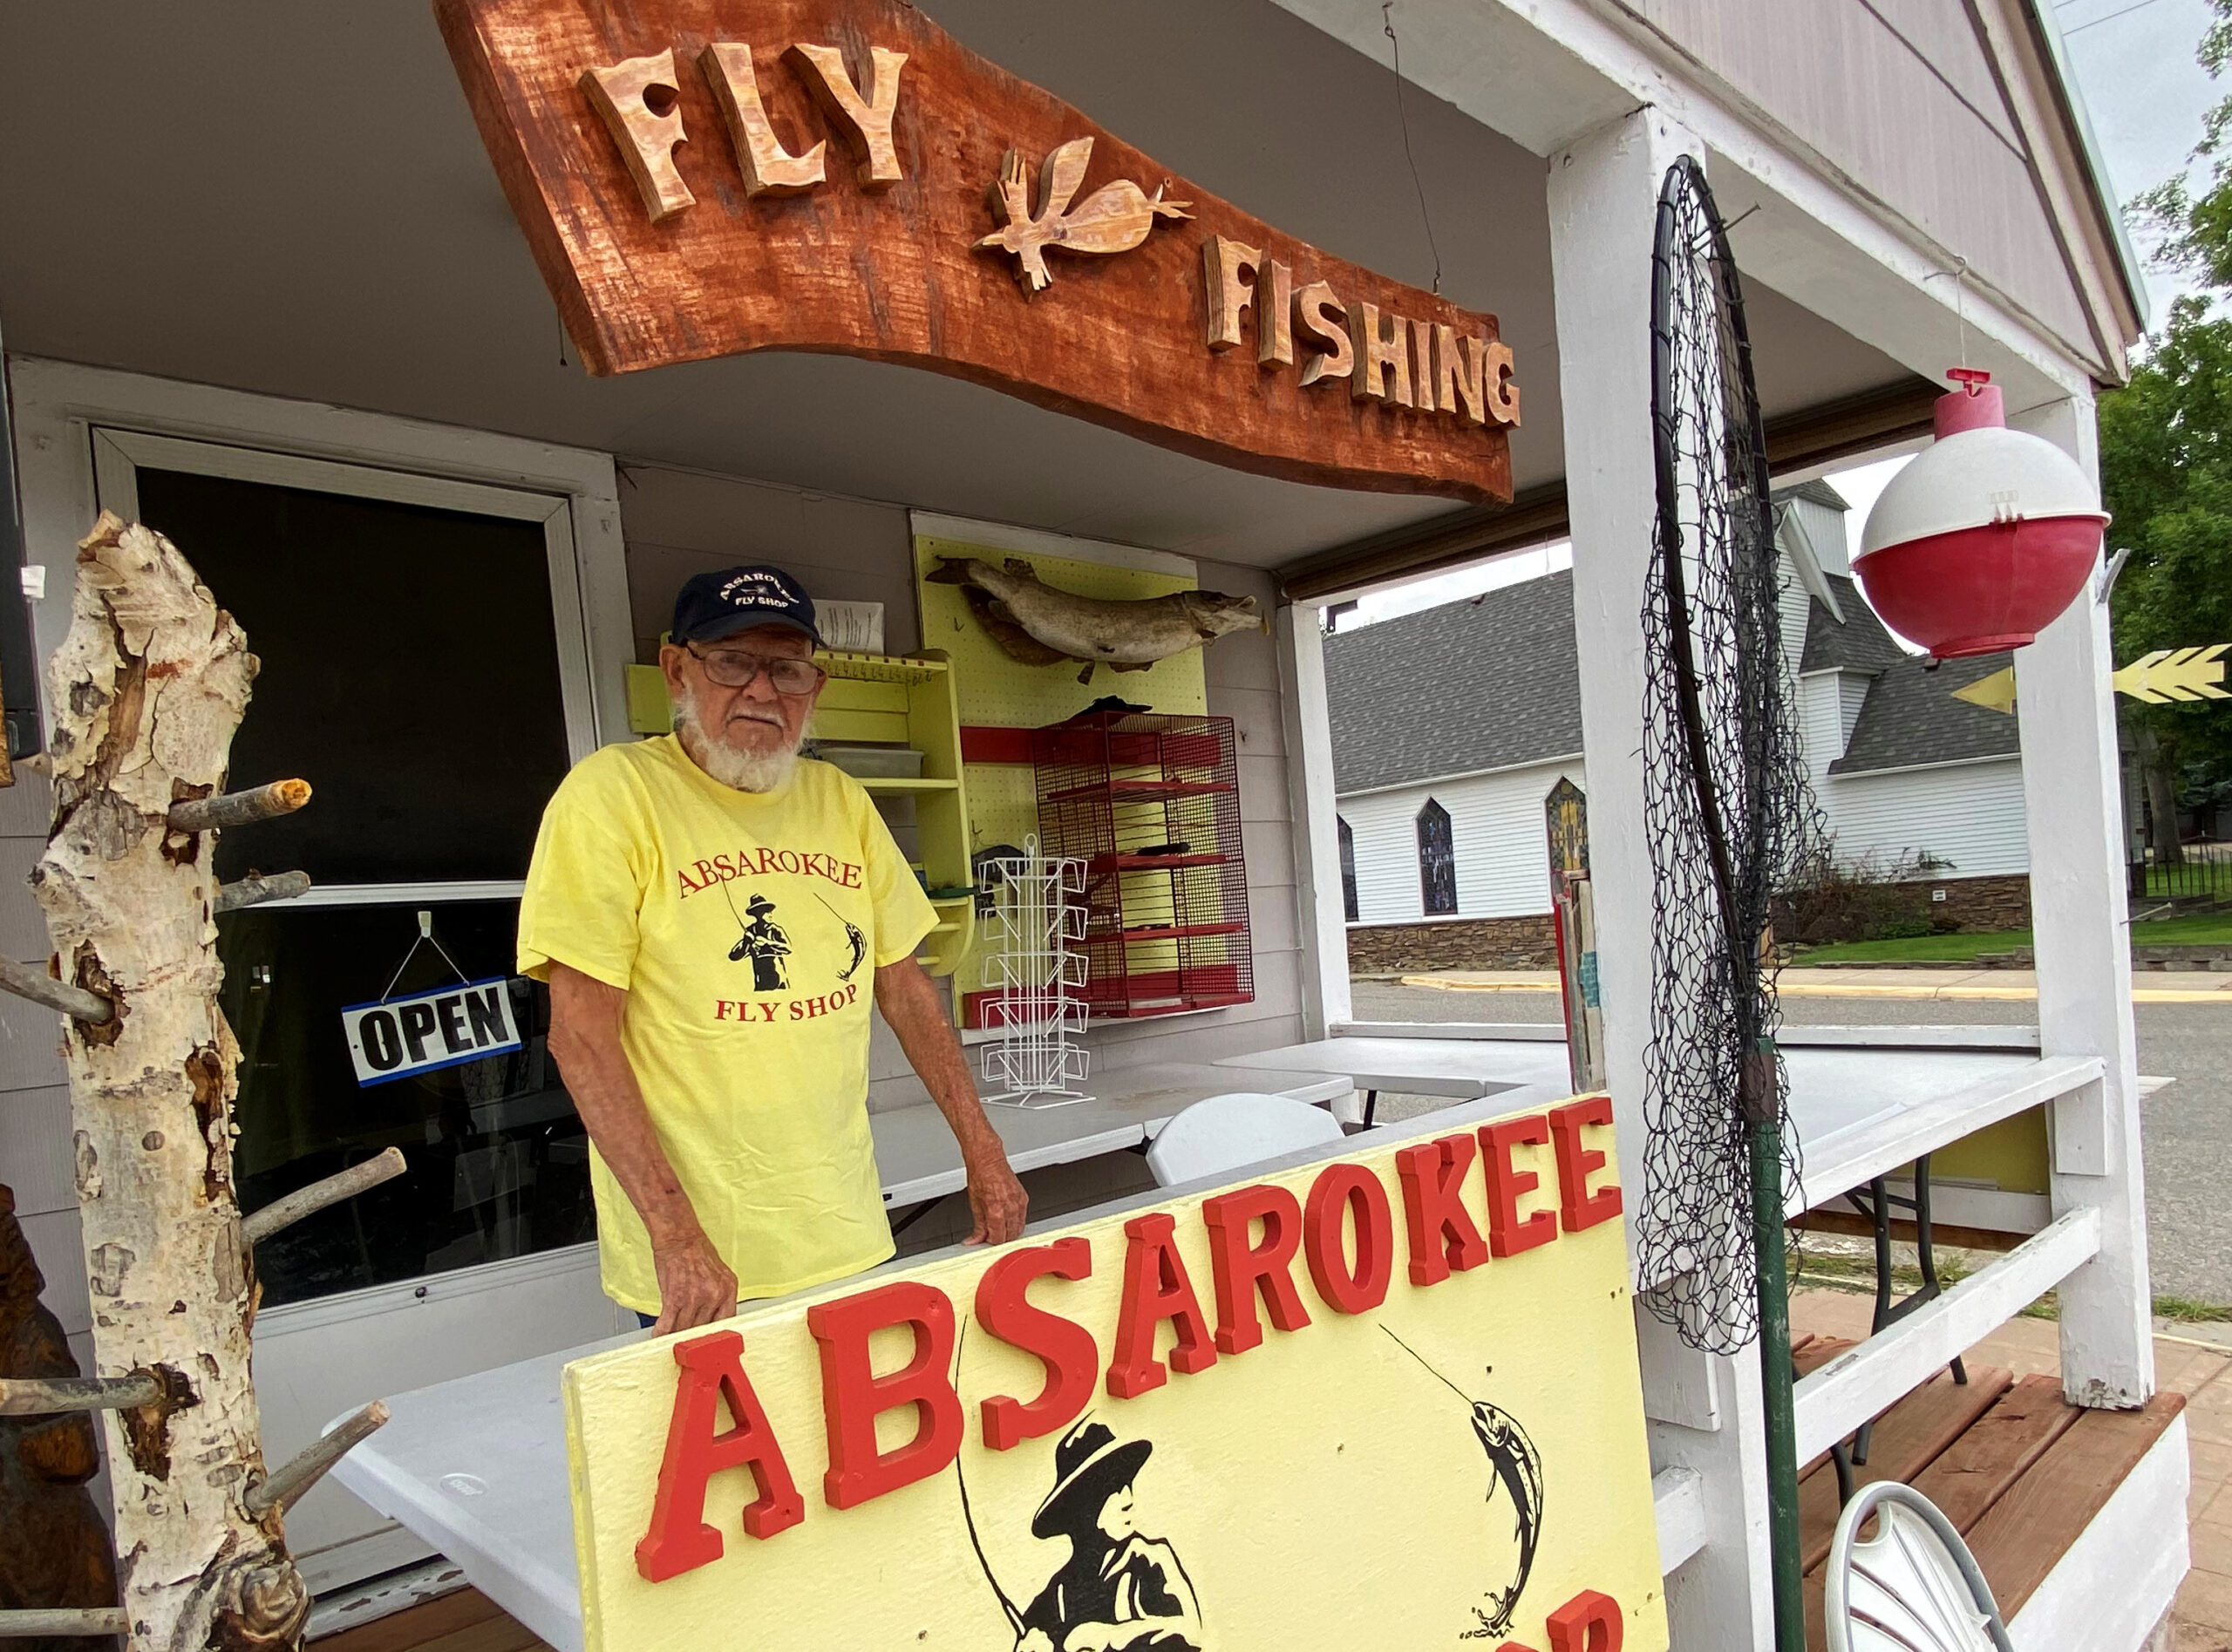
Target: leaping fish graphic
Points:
x,y
1517,1466
860,941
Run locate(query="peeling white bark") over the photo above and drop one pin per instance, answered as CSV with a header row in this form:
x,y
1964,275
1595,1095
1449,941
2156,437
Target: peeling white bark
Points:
x,y
147,689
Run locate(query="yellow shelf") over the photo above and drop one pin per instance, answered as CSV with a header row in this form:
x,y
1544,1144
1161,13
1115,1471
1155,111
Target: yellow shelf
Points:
x,y
903,785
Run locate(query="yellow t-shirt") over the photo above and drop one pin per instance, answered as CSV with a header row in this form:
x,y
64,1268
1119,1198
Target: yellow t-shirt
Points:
x,y
746,928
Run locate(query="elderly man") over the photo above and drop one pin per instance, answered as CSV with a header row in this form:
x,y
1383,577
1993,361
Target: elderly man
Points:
x,y
698,904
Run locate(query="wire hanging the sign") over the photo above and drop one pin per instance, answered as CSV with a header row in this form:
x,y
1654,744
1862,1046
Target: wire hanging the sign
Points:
x,y
423,938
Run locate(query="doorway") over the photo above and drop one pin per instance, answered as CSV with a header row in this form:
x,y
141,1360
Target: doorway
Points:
x,y
425,666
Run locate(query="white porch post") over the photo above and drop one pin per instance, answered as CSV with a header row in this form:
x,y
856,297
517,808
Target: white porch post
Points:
x,y
1603,199
2073,797
1317,837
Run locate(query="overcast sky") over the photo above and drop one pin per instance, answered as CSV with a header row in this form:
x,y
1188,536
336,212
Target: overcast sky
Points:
x,y
2147,99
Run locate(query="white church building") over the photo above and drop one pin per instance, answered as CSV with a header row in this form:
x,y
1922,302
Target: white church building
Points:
x,y
1452,726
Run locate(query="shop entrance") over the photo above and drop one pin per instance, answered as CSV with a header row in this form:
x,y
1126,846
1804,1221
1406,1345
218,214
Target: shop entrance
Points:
x,y
423,666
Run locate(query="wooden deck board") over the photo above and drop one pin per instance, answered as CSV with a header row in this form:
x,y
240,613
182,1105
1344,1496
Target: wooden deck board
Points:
x,y
2036,1519
2021,1479
1975,1471
1907,1438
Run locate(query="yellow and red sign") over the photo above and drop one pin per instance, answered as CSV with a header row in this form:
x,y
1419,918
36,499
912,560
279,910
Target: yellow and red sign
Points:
x,y
1389,1399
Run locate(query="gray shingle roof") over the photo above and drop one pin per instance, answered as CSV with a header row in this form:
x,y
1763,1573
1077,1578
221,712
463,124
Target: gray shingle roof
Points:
x,y
1911,718
1485,684
1860,644
1494,682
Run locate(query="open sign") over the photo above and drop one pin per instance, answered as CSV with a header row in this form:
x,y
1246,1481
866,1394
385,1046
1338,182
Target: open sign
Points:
x,y
396,1037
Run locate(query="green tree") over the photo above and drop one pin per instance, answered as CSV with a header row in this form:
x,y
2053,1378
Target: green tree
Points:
x,y
2165,474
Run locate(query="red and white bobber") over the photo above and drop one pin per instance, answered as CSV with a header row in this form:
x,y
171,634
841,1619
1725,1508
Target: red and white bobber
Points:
x,y
1981,542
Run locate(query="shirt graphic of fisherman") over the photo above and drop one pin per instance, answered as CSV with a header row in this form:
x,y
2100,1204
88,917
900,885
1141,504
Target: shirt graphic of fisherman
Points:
x,y
764,943
1118,1591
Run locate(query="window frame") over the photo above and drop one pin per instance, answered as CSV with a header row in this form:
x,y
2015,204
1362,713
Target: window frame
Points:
x,y
83,432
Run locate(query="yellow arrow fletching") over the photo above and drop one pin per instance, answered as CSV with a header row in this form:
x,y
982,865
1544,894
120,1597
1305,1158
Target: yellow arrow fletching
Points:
x,y
1994,693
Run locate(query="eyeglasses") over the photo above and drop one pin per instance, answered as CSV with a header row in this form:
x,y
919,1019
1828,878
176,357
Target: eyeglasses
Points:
x,y
786,674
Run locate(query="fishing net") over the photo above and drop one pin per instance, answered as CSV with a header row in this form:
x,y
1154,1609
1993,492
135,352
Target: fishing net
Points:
x,y
1727,810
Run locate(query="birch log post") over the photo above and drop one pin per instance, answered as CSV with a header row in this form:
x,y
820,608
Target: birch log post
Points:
x,y
147,688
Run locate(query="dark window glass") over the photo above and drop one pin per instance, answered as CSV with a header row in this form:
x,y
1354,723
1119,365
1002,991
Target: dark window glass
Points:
x,y
410,674
1437,861
498,1161
1348,869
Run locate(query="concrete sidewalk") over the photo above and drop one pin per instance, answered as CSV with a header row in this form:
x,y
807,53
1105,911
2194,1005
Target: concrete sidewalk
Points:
x,y
1828,982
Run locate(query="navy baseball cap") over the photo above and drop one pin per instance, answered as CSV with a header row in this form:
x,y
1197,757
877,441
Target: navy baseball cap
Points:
x,y
711,605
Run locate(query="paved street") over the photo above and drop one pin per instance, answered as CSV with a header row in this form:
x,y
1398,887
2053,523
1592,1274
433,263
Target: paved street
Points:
x,y
2189,1125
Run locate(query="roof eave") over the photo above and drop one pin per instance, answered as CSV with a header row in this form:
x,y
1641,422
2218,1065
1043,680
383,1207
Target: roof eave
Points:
x,y
2130,272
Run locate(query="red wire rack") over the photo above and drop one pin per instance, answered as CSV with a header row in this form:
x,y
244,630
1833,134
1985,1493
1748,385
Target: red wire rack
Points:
x,y
1151,805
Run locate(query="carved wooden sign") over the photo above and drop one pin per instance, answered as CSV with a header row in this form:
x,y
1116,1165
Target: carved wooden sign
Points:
x,y
704,178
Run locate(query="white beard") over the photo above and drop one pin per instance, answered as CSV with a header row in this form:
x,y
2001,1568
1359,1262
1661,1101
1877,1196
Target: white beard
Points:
x,y
740,771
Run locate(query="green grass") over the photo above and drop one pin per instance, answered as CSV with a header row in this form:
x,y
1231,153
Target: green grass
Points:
x,y
2200,929
2191,1312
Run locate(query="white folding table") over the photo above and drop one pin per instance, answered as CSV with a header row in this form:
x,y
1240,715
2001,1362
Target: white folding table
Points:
x,y
919,1162
1462,1069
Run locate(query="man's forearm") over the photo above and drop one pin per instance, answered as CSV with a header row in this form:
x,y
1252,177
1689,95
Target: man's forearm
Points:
x,y
911,1009
585,1042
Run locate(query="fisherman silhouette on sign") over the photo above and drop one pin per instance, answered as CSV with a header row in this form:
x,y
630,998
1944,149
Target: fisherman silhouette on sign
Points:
x,y
766,944
1118,1591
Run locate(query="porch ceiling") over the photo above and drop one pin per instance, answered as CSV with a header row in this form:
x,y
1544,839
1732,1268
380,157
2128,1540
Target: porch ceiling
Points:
x,y
293,200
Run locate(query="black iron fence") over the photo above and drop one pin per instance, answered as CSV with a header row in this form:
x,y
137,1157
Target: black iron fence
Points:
x,y
2203,872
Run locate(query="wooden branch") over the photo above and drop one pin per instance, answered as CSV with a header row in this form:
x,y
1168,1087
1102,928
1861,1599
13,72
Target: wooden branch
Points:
x,y
240,808
25,1622
39,1396
42,988
309,1465
304,1201
254,892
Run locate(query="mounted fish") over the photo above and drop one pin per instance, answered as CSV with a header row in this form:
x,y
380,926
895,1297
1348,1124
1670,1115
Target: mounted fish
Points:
x,y
1037,624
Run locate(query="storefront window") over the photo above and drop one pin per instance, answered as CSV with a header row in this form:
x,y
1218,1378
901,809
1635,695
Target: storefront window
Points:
x,y
411,671
410,674
499,1162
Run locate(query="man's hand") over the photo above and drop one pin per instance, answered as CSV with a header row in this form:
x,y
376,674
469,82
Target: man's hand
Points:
x,y
912,1010
996,1201
696,1286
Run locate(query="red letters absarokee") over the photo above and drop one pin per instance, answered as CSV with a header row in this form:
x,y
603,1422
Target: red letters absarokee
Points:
x,y
1344,1231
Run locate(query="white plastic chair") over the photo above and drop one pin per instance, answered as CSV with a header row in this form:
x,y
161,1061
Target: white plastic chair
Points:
x,y
1224,1133
1914,1586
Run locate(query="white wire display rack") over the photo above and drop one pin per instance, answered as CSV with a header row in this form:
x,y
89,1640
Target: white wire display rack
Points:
x,y
1037,977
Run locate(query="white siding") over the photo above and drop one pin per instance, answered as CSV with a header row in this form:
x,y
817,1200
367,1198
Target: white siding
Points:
x,y
1852,694
1824,531
1969,814
1503,856
1793,604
